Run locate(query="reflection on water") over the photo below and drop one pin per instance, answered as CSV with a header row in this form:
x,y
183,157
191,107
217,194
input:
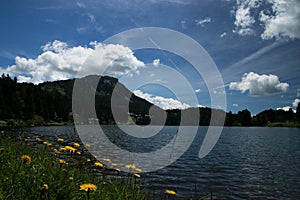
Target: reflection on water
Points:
x,y
245,163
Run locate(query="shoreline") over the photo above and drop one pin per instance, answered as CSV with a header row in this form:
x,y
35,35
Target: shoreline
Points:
x,y
23,124
62,170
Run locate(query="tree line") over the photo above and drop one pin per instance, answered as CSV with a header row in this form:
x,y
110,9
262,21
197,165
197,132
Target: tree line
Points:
x,y
241,118
51,102
26,103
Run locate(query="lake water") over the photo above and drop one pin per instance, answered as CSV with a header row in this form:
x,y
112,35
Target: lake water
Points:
x,y
246,163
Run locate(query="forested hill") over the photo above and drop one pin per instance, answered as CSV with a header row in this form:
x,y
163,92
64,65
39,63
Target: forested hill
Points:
x,y
26,103
51,103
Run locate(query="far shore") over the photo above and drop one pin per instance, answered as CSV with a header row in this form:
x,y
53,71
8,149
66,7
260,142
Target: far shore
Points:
x,y
12,123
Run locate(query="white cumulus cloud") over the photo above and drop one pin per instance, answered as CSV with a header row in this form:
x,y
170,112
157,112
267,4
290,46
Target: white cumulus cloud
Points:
x,y
295,102
244,21
284,20
278,18
55,46
156,62
112,60
60,62
259,85
286,108
198,90
162,102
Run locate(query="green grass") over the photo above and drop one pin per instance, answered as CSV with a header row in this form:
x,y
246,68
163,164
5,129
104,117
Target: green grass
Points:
x,y
20,180
284,124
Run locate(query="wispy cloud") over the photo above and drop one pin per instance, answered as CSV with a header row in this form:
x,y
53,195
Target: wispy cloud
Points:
x,y
50,20
223,35
7,54
201,22
100,29
183,24
298,92
91,26
244,65
182,2
91,18
198,90
258,54
82,29
80,4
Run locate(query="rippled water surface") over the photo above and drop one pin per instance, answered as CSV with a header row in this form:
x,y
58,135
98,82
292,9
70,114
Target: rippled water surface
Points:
x,y
246,163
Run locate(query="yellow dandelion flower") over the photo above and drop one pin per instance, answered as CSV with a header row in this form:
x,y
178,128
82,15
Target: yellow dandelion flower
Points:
x,y
70,149
44,187
88,187
88,160
47,143
60,139
26,159
130,166
138,169
78,152
56,151
63,149
170,192
114,164
107,159
76,144
137,176
61,161
87,145
98,164
118,170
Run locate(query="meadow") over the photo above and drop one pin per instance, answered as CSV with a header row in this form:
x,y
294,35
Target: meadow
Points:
x,y
32,168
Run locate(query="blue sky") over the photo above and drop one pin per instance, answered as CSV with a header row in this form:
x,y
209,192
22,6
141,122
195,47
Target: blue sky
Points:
x,y
254,44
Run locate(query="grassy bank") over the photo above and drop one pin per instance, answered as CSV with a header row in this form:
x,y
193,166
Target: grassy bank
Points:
x,y
284,124
22,123
37,171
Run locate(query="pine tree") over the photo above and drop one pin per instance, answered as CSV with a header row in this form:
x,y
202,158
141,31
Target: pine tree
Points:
x,y
298,113
244,117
